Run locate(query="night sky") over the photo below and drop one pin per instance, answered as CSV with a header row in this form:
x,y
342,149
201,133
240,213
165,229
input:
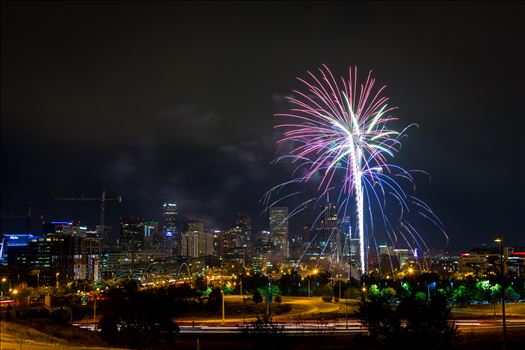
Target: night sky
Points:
x,y
157,101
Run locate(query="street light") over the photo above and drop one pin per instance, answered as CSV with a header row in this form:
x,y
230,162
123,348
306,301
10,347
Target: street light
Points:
x,y
2,286
95,294
499,239
308,286
56,277
222,298
314,272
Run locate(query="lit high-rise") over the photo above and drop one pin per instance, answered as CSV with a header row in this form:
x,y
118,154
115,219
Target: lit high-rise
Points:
x,y
131,233
279,229
170,230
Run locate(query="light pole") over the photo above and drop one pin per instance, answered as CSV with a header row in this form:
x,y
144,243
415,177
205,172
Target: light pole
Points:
x,y
2,286
268,301
95,305
346,302
222,299
56,277
499,239
365,292
314,272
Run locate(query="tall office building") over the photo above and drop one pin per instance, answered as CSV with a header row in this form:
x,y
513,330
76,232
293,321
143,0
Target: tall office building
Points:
x,y
151,233
106,235
195,225
196,242
66,244
350,242
327,236
226,243
170,214
279,220
330,225
279,229
87,265
243,228
190,244
91,244
170,228
131,233
206,244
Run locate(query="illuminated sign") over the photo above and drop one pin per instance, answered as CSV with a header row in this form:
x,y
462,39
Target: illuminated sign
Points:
x,y
18,240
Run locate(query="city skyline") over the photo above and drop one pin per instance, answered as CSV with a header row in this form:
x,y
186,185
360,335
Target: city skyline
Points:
x,y
157,124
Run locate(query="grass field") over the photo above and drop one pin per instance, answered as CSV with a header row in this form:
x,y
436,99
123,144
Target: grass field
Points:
x,y
46,334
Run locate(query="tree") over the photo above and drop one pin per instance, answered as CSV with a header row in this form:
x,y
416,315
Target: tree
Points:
x,y
427,322
255,281
511,295
409,321
325,290
139,319
215,299
380,316
257,297
200,284
289,283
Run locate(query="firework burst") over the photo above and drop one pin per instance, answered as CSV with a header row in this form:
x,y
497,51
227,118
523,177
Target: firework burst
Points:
x,y
338,136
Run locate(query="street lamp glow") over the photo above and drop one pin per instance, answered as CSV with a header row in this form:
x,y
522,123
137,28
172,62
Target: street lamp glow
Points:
x,y
499,239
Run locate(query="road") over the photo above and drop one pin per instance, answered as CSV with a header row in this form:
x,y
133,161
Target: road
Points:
x,y
302,308
310,316
342,326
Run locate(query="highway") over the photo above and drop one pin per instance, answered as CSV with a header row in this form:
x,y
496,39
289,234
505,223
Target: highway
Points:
x,y
340,326
313,316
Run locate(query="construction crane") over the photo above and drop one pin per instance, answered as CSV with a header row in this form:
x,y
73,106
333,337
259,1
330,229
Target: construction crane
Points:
x,y
103,199
29,216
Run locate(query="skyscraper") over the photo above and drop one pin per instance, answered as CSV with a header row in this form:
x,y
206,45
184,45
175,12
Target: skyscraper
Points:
x,y
169,216
244,228
190,244
196,242
351,248
151,229
326,237
279,229
170,228
332,231
131,233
